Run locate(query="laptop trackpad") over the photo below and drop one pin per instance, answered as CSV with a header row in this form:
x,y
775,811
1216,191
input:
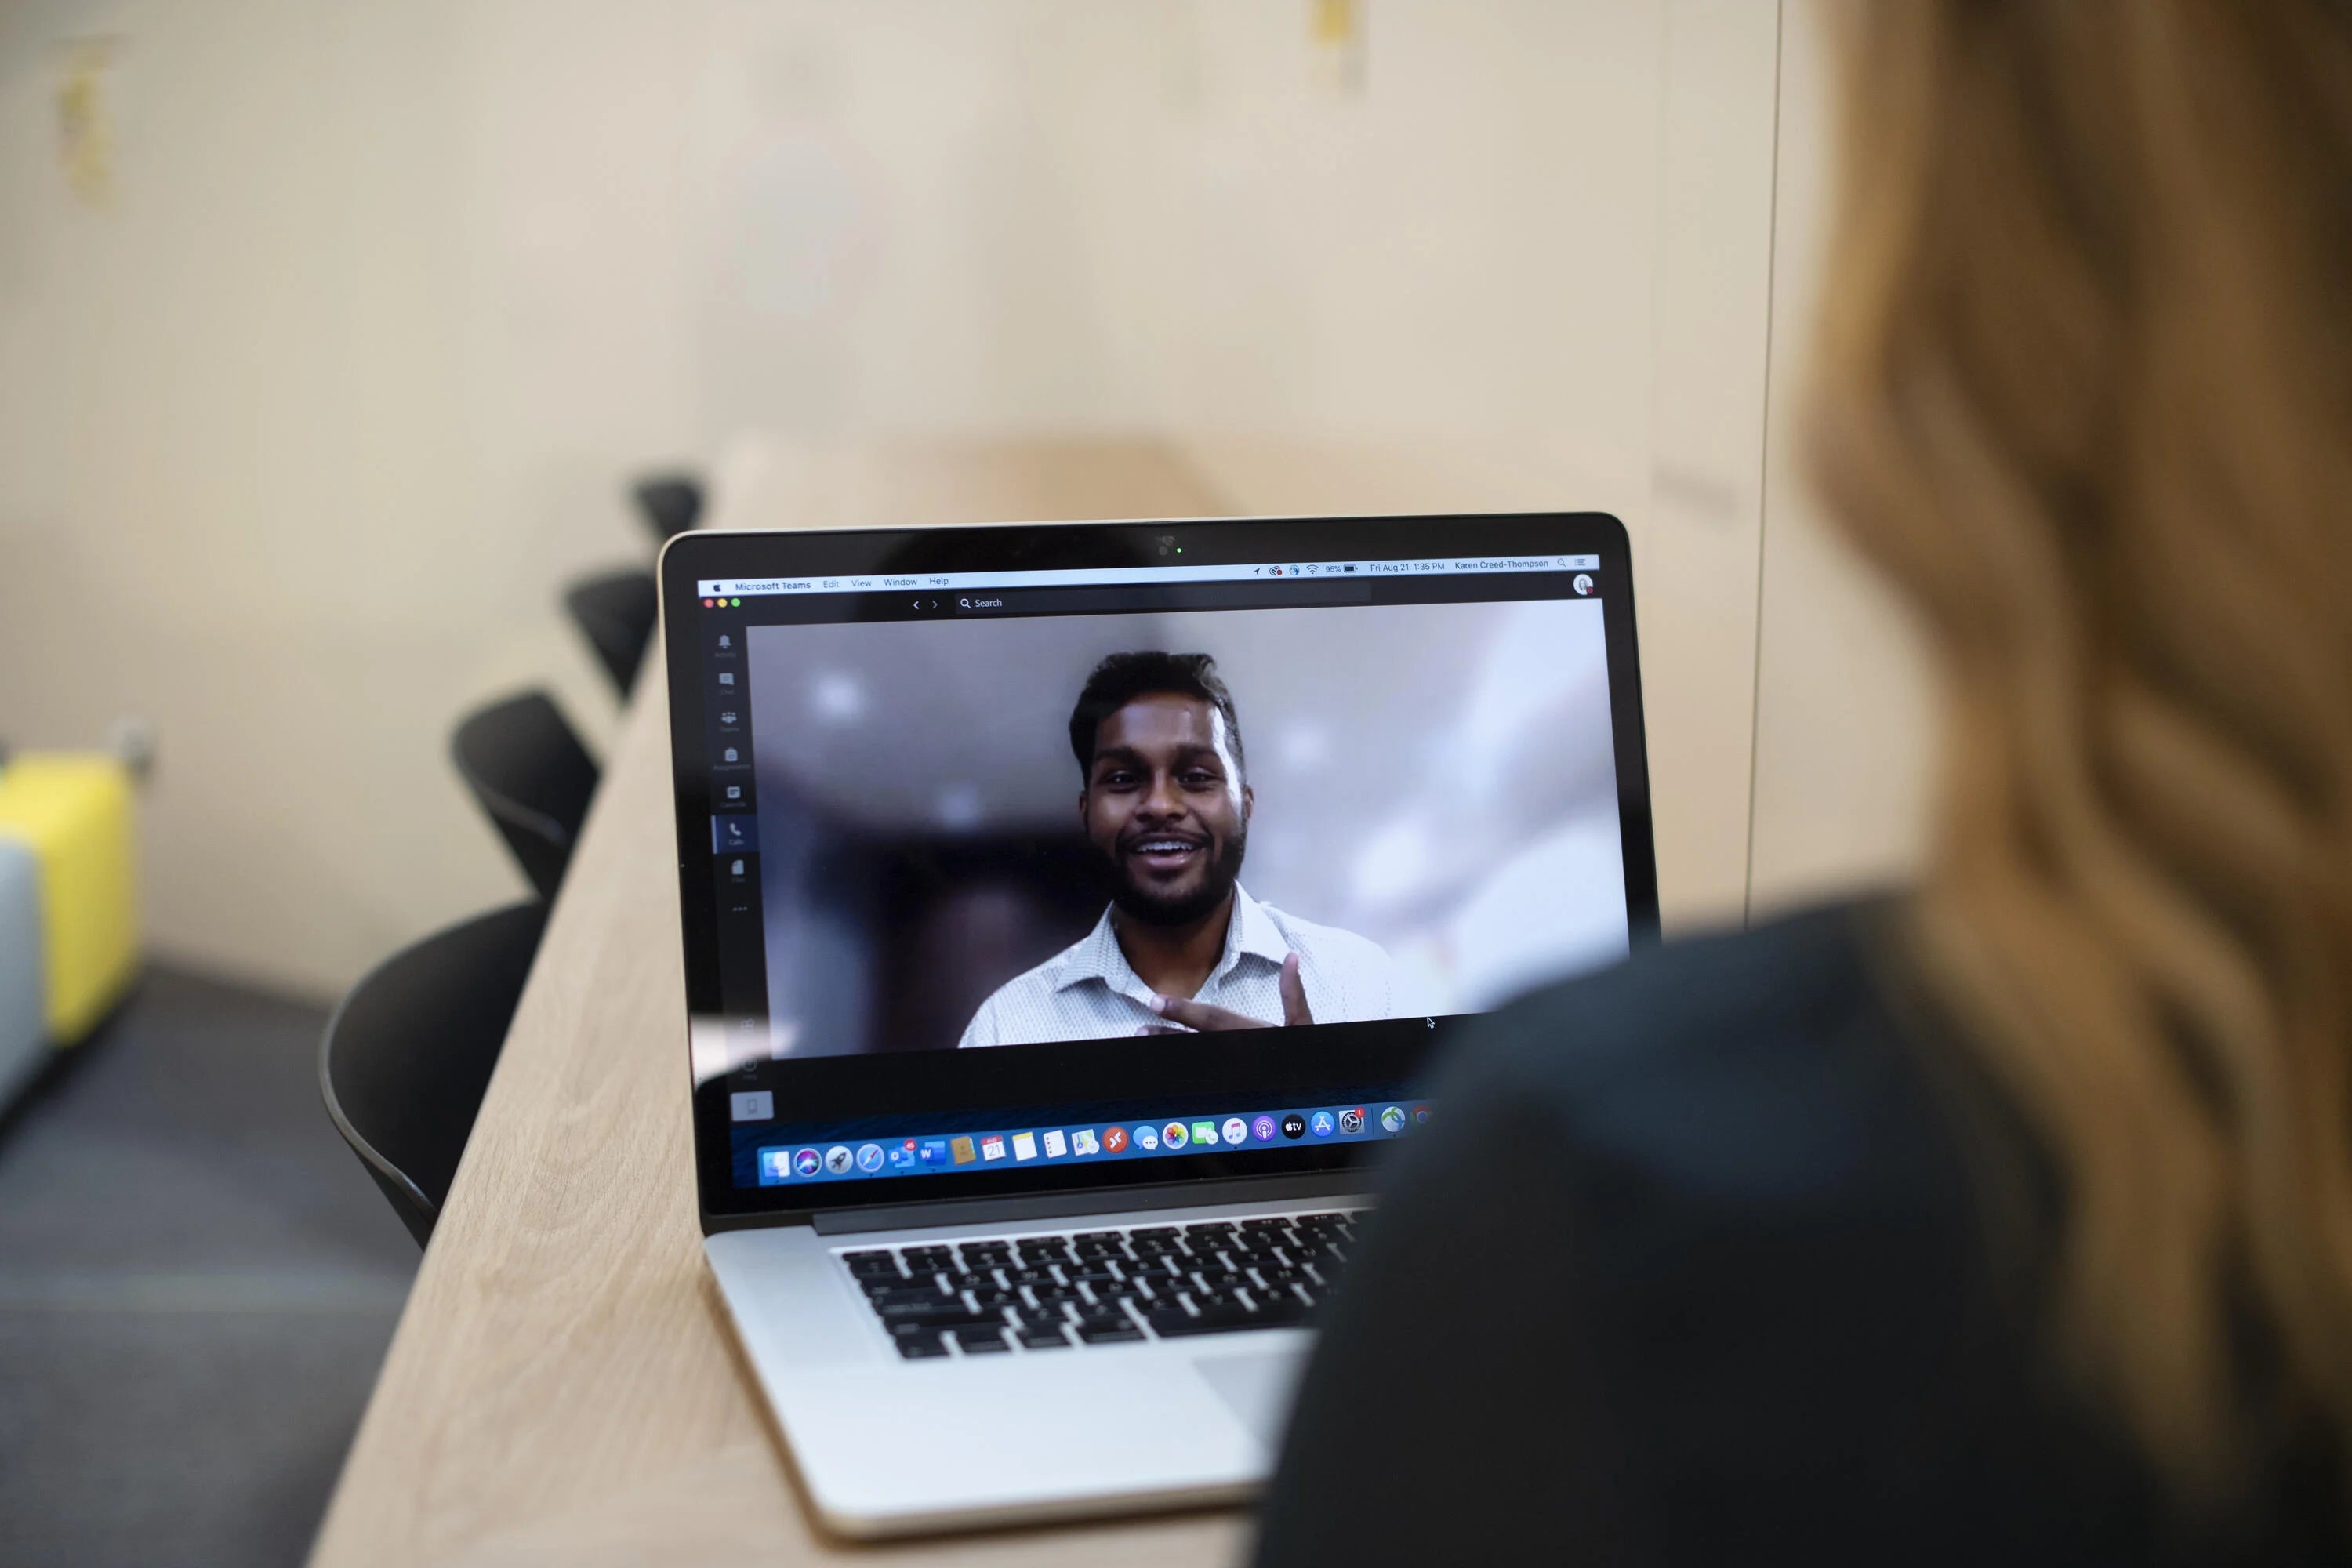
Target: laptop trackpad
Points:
x,y
1256,1388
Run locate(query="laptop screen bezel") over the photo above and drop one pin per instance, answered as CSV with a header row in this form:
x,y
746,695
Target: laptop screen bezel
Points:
x,y
1371,1060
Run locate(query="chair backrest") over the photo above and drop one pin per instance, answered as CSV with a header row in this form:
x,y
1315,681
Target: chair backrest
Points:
x,y
528,769
672,503
408,1053
616,613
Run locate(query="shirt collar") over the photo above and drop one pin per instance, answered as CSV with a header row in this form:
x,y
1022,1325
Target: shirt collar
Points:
x,y
1250,933
1096,957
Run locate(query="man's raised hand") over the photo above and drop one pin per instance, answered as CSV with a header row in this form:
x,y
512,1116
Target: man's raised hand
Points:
x,y
1203,1016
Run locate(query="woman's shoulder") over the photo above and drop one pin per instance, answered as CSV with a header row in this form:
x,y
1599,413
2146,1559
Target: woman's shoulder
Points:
x,y
1768,1062
1696,993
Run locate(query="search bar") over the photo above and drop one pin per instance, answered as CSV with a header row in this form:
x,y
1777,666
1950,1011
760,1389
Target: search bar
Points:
x,y
1147,598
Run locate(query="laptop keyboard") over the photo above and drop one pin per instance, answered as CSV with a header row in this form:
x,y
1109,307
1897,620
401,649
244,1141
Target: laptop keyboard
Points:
x,y
1103,1287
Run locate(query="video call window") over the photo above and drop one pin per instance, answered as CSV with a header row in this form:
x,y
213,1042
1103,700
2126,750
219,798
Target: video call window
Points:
x,y
977,833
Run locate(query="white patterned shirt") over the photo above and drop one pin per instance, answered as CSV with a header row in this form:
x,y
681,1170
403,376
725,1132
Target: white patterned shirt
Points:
x,y
1089,992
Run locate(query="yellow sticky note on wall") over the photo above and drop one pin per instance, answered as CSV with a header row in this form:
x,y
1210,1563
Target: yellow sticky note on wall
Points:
x,y
74,814
86,120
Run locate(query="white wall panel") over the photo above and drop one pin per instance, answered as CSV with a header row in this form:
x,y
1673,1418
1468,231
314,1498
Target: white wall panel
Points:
x,y
1844,716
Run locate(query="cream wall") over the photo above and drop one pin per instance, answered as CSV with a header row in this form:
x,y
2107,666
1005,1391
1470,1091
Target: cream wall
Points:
x,y
335,389
1525,264
239,492
1514,254
304,424
1844,711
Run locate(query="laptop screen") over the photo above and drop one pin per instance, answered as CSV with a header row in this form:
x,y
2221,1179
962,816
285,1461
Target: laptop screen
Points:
x,y
1003,863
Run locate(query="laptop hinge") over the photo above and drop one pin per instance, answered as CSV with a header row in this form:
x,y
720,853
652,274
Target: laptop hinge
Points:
x,y
1110,1200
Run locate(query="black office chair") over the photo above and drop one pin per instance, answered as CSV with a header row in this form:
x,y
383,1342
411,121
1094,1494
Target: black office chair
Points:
x,y
535,778
672,502
407,1055
616,613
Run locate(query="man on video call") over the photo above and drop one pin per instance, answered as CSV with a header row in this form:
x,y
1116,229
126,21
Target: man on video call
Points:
x,y
1165,801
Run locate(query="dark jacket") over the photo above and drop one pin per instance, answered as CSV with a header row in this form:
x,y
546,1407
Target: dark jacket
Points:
x,y
1724,1257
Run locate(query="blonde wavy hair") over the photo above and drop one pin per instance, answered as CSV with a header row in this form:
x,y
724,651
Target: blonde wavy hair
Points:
x,y
2084,394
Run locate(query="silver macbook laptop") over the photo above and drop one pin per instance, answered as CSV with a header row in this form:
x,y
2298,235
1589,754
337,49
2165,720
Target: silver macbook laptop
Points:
x,y
1072,913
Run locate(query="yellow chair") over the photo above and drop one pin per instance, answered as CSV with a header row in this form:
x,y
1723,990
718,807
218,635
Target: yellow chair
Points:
x,y
73,814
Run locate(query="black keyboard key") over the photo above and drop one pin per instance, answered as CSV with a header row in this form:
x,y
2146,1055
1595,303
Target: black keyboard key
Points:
x,y
946,1315
1222,1318
921,1347
980,1342
872,1265
1103,1332
911,1295
1175,1321
1039,1337
1265,1223
1290,1314
925,1257
1085,1237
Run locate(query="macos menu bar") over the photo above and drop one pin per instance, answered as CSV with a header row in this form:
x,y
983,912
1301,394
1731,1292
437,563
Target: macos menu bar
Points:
x,y
872,582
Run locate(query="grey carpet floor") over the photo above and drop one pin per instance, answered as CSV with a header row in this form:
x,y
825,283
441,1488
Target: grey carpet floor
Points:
x,y
197,1283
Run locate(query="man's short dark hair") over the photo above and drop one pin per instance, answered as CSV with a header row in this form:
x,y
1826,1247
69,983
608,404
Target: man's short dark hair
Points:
x,y
1124,676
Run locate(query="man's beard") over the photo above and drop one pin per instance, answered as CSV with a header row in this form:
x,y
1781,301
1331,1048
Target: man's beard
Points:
x,y
1157,910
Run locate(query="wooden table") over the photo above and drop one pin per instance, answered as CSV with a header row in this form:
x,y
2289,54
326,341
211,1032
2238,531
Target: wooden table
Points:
x,y
563,1387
